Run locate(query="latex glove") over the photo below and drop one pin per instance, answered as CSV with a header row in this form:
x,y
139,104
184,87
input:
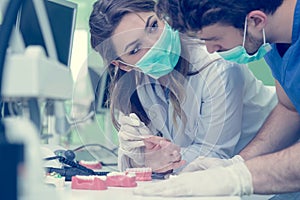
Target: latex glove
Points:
x,y
131,145
220,181
132,132
137,142
162,155
202,163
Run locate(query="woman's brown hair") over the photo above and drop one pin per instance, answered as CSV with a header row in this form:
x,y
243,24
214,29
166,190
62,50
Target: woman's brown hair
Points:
x,y
104,19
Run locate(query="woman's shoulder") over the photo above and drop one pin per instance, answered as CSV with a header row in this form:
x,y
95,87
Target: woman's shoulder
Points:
x,y
195,52
212,65
218,67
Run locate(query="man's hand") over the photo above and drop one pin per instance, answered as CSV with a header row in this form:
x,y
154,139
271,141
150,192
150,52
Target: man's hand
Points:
x,y
202,163
220,181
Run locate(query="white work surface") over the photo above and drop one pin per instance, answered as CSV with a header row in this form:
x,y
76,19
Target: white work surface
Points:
x,y
116,193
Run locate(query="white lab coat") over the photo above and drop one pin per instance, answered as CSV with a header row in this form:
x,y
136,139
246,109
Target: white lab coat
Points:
x,y
225,107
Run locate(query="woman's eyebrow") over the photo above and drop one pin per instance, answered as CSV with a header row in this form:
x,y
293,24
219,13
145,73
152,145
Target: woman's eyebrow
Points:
x,y
130,44
148,21
136,41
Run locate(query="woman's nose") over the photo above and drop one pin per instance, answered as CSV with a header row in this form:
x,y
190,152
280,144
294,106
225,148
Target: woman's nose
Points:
x,y
149,41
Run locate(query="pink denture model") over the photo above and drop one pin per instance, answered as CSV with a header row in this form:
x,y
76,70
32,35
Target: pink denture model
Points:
x,y
120,179
89,182
94,165
142,174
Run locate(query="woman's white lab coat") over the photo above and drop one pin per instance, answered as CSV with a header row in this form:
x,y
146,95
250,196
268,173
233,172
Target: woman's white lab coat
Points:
x,y
225,107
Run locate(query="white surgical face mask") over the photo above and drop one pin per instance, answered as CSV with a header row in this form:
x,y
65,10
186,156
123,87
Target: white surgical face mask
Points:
x,y
239,53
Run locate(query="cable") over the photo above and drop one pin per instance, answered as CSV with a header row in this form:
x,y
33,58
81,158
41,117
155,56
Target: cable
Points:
x,y
74,169
69,172
81,120
10,106
103,147
99,145
35,115
68,156
71,163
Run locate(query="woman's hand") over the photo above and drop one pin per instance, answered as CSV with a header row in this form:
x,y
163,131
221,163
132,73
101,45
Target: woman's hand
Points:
x,y
162,155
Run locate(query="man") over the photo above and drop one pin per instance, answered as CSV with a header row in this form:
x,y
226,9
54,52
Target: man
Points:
x,y
239,30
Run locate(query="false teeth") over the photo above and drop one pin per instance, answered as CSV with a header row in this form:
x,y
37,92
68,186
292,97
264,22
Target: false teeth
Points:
x,y
142,174
121,179
95,165
89,182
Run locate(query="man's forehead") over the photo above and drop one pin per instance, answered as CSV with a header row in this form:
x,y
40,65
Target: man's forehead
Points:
x,y
216,31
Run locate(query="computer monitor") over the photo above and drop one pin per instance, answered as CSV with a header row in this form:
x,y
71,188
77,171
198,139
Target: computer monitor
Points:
x,y
100,83
62,18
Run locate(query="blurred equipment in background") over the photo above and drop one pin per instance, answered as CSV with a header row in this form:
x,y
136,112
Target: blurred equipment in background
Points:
x,y
35,47
100,82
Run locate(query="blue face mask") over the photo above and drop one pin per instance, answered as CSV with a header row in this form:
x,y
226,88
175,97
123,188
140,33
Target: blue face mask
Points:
x,y
240,55
163,56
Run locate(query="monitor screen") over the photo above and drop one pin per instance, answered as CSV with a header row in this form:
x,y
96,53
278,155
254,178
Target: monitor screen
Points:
x,y
100,83
62,18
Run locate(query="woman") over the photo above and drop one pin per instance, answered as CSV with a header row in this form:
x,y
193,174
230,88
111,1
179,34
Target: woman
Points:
x,y
200,104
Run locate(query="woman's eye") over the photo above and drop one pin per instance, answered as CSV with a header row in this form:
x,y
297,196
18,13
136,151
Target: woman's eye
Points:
x,y
153,27
135,50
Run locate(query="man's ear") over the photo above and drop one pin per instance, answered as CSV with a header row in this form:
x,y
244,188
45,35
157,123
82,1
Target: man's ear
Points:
x,y
257,19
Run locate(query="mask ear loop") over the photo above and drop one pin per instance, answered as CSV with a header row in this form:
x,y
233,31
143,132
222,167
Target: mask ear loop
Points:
x,y
125,63
245,31
264,36
134,67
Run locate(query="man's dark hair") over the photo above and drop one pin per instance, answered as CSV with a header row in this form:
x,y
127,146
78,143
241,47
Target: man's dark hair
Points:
x,y
193,15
